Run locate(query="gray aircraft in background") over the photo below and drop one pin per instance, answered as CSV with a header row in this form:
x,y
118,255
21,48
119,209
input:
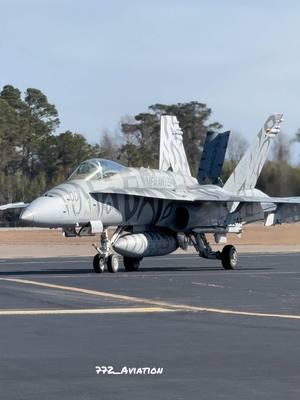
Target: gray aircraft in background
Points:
x,y
155,211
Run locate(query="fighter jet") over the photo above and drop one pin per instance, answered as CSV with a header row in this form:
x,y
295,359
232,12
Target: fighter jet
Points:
x,y
155,211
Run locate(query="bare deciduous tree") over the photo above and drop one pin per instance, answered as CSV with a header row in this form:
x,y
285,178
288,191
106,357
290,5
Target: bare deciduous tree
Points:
x,y
237,146
280,150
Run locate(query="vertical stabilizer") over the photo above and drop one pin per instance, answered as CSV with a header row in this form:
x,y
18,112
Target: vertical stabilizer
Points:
x,y
246,173
212,158
171,152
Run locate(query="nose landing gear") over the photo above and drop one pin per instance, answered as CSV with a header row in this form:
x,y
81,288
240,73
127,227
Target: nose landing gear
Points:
x,y
105,257
132,264
111,262
99,263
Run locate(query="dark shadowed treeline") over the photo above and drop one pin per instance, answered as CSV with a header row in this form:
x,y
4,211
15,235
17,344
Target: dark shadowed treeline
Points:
x,y
141,133
32,157
35,155
278,177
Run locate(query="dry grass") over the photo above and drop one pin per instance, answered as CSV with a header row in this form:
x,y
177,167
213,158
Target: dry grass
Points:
x,y
255,234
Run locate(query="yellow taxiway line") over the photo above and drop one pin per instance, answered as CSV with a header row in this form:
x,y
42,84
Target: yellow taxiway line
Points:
x,y
124,310
163,305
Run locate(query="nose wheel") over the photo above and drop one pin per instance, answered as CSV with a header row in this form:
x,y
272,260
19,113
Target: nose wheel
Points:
x,y
111,262
99,263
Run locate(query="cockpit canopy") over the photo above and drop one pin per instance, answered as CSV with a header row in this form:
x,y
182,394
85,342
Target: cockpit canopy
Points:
x,y
95,169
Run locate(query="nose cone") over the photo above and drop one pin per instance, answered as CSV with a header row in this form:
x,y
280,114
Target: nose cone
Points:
x,y
26,215
45,211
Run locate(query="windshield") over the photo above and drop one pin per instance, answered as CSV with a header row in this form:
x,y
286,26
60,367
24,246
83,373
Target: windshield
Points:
x,y
96,168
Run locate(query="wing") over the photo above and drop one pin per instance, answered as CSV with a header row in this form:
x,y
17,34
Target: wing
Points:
x,y
204,194
13,205
247,209
165,194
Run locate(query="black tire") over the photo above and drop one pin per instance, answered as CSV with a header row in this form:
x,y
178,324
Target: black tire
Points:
x,y
131,264
113,263
229,257
99,264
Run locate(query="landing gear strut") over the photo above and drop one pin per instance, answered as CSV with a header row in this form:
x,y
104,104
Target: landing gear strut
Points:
x,y
228,256
105,256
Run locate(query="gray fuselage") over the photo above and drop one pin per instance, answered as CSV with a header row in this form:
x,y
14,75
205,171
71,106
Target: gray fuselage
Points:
x,y
133,197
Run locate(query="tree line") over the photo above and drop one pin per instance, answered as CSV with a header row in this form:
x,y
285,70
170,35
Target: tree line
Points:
x,y
35,155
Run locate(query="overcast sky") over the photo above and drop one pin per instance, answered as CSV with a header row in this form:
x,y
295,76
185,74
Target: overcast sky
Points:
x,y
100,60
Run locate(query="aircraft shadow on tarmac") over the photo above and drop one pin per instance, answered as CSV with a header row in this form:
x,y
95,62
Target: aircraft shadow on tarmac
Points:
x,y
199,269
145,270
47,272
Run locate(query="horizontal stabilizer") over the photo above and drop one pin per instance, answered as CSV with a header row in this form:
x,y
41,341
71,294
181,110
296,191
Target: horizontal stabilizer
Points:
x,y
283,213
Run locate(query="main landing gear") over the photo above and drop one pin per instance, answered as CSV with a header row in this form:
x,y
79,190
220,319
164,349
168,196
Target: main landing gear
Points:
x,y
228,255
132,264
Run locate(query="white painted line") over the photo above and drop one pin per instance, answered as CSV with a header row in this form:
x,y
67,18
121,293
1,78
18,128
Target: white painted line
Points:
x,y
208,284
161,304
275,254
247,313
82,311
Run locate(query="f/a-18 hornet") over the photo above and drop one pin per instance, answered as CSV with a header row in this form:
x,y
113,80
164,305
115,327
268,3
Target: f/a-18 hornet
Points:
x,y
155,211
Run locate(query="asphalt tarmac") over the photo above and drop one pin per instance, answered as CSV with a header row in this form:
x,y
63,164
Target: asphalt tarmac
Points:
x,y
217,334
